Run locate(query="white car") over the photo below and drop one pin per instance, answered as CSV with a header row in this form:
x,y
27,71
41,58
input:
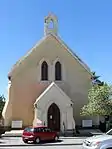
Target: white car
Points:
x,y
99,142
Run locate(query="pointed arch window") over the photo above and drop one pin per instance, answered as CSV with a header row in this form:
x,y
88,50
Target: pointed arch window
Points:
x,y
44,71
58,71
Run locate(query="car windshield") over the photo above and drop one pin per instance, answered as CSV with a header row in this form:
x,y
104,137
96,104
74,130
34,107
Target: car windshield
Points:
x,y
109,132
29,129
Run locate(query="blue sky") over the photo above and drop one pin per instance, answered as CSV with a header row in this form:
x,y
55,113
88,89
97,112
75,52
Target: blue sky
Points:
x,y
85,25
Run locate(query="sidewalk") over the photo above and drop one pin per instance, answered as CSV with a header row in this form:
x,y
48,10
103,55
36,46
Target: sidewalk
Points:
x,y
91,131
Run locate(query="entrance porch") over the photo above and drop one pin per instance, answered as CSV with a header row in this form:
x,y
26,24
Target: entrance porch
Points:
x,y
53,108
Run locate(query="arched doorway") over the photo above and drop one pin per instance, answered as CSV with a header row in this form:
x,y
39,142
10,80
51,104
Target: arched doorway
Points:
x,y
53,117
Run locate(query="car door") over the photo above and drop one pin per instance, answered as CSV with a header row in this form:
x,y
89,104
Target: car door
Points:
x,y
50,134
39,132
46,133
42,133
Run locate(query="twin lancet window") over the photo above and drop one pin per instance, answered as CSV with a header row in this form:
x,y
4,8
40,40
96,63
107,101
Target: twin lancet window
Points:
x,y
57,73
44,71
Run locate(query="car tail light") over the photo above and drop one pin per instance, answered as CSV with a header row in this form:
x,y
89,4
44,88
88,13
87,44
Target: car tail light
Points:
x,y
95,143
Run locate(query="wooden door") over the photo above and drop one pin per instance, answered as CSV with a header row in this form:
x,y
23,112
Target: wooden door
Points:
x,y
54,117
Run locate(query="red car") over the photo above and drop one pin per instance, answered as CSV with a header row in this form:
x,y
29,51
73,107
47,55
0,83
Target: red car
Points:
x,y
40,133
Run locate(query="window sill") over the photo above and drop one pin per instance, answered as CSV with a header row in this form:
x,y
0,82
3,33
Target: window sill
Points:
x,y
50,81
45,81
58,81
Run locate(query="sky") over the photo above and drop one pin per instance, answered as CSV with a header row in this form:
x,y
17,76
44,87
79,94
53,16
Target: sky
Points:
x,y
84,25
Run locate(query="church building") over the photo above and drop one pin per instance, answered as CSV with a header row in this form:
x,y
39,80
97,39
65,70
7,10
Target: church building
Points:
x,y
49,85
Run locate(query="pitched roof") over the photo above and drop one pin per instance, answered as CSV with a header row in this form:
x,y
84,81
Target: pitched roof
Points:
x,y
80,61
53,84
62,43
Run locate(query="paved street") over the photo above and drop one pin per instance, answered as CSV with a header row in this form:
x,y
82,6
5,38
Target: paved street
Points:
x,y
44,147
64,142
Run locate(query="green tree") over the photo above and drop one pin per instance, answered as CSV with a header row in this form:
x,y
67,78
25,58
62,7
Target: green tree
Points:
x,y
99,101
95,79
2,103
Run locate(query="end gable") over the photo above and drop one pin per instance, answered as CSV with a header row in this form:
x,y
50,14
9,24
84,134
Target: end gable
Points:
x,y
42,41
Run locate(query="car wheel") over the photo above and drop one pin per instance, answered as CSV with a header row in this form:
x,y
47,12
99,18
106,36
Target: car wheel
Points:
x,y
37,140
56,138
